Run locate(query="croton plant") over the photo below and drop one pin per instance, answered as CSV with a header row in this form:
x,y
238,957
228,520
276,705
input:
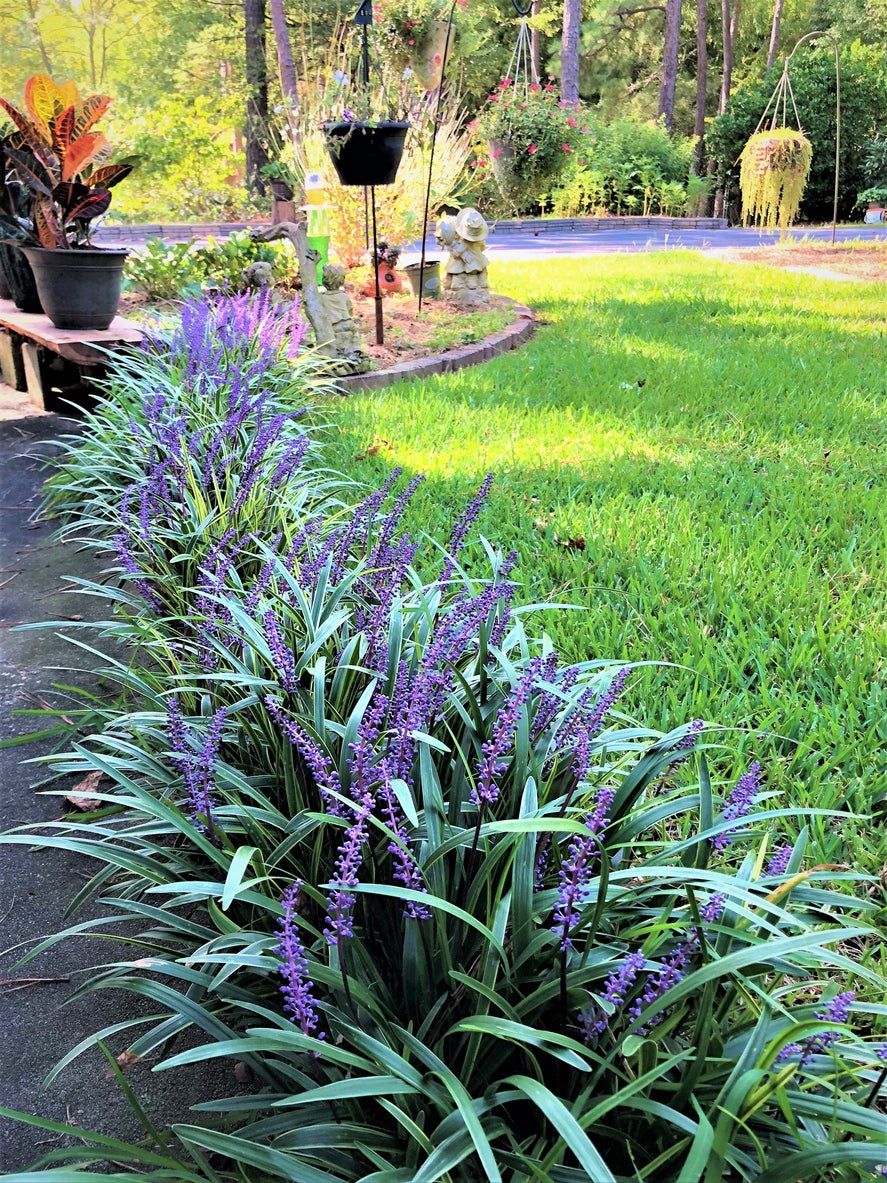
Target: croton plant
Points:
x,y
63,163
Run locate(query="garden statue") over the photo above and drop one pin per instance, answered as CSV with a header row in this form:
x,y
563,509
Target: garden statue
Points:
x,y
355,362
258,275
465,281
341,317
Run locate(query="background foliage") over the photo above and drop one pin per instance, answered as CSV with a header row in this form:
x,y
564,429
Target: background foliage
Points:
x,y
177,71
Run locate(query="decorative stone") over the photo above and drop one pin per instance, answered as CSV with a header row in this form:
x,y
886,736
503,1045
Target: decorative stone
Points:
x,y
258,275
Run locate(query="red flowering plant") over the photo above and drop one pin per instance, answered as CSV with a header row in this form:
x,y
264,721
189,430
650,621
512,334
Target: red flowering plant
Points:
x,y
529,136
409,26
409,20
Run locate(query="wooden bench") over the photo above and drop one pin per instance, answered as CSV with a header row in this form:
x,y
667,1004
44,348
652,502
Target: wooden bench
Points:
x,y
52,364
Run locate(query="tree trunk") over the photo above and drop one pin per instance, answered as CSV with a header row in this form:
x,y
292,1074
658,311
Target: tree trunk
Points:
x,y
285,62
256,94
727,41
535,46
570,51
774,32
701,84
671,47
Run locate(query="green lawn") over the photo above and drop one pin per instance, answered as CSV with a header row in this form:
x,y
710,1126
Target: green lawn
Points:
x,y
714,436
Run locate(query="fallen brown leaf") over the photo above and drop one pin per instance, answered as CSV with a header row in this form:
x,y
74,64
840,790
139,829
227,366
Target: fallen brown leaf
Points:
x,y
83,793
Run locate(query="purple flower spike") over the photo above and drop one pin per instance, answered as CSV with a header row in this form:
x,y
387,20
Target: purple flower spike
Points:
x,y
739,804
778,863
297,988
595,1021
493,762
835,1011
711,912
674,967
340,909
406,869
325,775
575,873
463,524
198,770
280,652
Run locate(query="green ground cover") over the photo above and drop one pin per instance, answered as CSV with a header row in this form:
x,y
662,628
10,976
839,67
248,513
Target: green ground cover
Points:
x,y
694,454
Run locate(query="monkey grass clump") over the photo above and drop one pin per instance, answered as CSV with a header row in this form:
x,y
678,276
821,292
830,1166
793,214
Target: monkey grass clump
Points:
x,y
773,176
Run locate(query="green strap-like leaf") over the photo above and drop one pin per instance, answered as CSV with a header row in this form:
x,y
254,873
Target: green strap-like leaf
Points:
x,y
566,1125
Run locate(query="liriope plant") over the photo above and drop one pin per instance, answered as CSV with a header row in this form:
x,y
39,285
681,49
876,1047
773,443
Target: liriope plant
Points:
x,y
437,901
462,916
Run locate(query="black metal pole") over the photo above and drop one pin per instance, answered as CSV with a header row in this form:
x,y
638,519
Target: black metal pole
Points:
x,y
443,72
366,82
380,329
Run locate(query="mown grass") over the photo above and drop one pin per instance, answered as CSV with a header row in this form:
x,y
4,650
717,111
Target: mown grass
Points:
x,y
694,454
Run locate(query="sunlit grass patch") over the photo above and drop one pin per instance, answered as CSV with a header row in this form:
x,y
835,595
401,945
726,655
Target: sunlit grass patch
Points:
x,y
694,453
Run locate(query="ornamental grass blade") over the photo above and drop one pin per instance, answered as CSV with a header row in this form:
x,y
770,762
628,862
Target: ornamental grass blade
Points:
x,y
566,1125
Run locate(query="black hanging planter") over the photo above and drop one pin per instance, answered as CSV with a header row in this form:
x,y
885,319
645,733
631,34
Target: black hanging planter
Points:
x,y
16,270
366,154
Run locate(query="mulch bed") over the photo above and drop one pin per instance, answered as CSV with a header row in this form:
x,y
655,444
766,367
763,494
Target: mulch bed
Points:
x,y
856,261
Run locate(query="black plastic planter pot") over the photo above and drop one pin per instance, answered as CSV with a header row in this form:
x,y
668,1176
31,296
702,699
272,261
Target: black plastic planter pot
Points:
x,y
364,153
79,289
16,270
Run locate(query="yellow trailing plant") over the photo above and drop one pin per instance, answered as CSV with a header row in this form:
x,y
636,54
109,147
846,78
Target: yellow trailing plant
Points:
x,y
774,169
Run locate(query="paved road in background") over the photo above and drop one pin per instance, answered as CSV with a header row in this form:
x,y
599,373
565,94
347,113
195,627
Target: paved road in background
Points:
x,y
526,243
523,244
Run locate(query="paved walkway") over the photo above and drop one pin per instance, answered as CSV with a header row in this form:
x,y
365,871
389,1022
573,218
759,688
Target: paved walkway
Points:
x,y
37,1024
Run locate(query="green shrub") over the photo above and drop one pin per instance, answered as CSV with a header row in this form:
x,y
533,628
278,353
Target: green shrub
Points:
x,y
167,272
622,167
162,271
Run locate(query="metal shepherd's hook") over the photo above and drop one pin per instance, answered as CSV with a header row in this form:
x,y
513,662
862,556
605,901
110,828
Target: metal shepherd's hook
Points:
x,y
831,37
440,89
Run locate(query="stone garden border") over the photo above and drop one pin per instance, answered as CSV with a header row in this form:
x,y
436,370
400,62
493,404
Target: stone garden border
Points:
x,y
519,331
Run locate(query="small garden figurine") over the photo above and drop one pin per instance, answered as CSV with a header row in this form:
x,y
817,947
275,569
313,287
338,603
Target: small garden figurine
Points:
x,y
384,259
258,275
314,302
338,308
465,281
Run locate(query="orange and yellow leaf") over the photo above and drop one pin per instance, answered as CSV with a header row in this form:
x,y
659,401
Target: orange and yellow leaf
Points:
x,y
42,101
80,152
91,110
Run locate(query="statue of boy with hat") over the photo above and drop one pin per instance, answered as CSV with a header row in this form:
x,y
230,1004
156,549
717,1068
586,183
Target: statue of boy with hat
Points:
x,y
465,281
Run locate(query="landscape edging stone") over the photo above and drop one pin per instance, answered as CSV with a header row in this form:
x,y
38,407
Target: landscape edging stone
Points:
x,y
519,331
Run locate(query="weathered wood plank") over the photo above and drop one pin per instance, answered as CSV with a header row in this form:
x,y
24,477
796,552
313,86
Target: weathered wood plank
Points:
x,y
11,365
84,347
34,374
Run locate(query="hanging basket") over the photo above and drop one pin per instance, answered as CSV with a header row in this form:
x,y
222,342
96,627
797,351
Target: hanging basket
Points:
x,y
775,165
366,153
428,59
